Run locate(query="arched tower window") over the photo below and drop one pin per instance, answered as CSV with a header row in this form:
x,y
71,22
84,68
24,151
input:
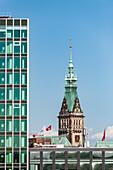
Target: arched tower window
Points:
x,y
67,123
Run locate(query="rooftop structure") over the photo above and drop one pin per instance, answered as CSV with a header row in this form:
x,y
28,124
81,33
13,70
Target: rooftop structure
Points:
x,y
71,118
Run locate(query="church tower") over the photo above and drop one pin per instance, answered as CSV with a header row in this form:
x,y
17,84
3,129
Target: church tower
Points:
x,y
71,118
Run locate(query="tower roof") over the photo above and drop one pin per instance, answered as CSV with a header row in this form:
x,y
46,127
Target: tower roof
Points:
x,y
70,86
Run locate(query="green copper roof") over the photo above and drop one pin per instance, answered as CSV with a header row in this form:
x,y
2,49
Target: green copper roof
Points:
x,y
102,144
71,87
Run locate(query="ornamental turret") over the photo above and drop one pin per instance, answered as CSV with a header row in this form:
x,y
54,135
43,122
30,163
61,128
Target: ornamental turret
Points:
x,y
71,118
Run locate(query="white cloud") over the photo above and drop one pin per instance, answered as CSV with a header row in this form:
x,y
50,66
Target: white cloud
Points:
x,y
108,134
90,129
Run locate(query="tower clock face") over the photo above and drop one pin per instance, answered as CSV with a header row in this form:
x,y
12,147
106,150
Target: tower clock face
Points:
x,y
77,137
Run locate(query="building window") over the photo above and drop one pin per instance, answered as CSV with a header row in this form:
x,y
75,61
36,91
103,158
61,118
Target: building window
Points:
x,y
16,125
2,94
16,157
24,62
23,94
79,122
16,33
2,47
23,125
24,33
9,125
23,157
9,94
2,141
16,78
16,49
9,141
2,109
9,78
16,62
16,94
2,125
2,34
62,123
16,141
9,62
24,47
16,111
2,78
2,157
9,47
9,109
23,141
2,62
9,33
24,78
67,123
9,157
23,109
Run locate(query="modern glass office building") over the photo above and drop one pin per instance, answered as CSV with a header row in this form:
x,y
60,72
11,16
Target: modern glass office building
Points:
x,y
71,158
14,93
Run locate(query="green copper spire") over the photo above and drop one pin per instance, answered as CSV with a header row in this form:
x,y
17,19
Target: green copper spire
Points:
x,y
70,87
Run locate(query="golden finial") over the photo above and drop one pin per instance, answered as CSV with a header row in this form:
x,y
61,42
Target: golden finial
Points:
x,y
70,43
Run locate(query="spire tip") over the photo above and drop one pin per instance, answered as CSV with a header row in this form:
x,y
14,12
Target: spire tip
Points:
x,y
70,43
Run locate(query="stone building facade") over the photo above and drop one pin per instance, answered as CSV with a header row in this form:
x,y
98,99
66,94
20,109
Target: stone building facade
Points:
x,y
71,118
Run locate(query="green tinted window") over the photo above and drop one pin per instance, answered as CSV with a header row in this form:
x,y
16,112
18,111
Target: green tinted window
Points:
x,y
23,157
23,109
16,94
23,125
9,109
16,62
2,62
2,94
16,33
9,94
9,78
9,62
16,78
16,125
2,109
9,141
9,125
9,33
9,157
23,141
2,47
16,49
9,47
2,141
2,78
2,125
24,33
23,94
16,157
16,141
16,111
24,47
2,34
24,62
24,78
2,157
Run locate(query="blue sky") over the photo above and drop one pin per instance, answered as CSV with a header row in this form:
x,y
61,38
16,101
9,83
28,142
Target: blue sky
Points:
x,y
90,25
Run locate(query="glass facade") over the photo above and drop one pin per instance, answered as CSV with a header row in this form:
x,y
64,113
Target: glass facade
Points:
x,y
14,58
71,159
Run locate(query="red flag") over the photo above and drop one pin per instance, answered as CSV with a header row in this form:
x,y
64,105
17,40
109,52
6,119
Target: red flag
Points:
x,y
49,128
34,135
103,136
